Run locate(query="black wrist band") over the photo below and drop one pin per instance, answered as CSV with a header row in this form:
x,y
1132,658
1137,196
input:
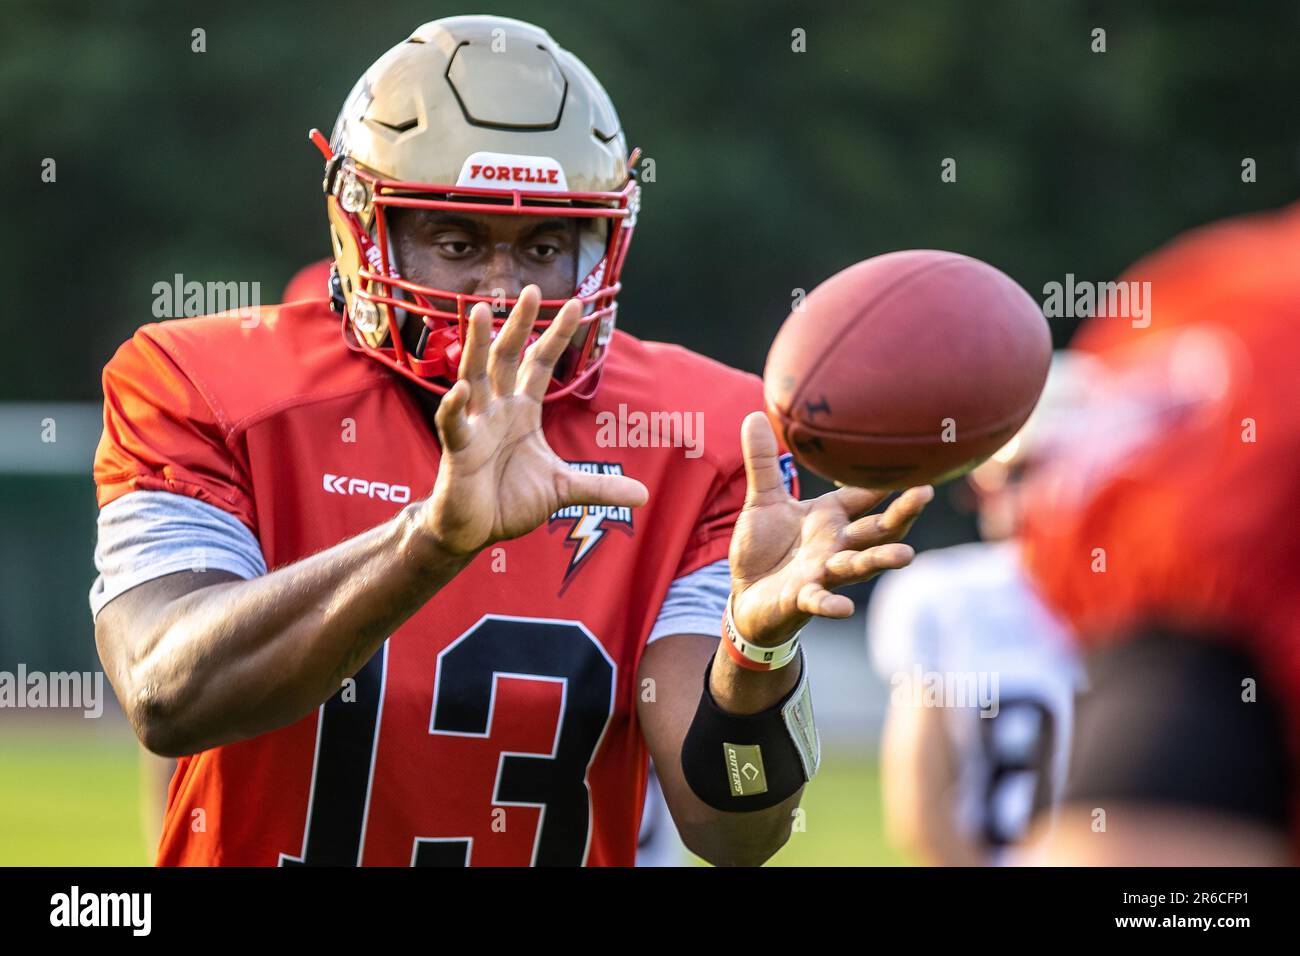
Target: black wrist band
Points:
x,y
746,763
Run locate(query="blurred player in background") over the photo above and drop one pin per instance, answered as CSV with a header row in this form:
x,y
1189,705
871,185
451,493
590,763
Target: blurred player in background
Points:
x,y
961,784
312,281
1167,535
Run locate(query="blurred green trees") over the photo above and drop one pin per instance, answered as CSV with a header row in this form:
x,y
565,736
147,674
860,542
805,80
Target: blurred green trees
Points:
x,y
772,168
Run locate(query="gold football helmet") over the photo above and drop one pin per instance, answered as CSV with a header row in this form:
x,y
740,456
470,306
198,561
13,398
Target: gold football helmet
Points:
x,y
482,115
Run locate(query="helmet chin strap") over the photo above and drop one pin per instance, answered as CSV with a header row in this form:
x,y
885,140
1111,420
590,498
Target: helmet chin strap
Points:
x,y
446,340
400,316
591,249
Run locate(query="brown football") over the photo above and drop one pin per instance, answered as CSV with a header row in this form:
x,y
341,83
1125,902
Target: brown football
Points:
x,y
906,369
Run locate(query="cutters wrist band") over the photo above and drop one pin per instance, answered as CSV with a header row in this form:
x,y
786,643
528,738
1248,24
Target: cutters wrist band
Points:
x,y
743,763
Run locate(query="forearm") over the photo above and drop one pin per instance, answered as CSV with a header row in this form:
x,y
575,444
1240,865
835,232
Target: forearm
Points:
x,y
237,659
738,839
746,838
738,690
676,665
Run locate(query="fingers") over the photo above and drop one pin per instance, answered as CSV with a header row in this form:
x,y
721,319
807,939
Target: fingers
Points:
x,y
858,501
897,519
494,366
762,462
854,567
892,523
539,361
508,347
582,488
844,568
815,599
452,422
474,357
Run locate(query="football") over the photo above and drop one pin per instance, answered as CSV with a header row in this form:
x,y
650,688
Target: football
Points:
x,y
905,369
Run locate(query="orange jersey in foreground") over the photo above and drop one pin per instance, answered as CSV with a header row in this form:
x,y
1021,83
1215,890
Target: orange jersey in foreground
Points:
x,y
1178,501
497,726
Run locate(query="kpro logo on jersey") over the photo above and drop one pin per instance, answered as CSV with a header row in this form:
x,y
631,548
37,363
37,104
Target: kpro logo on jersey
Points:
x,y
588,524
381,490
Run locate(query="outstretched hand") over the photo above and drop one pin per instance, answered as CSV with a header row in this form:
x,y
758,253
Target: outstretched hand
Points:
x,y
788,556
499,478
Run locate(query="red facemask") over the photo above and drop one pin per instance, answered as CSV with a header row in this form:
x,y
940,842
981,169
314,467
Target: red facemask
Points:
x,y
433,363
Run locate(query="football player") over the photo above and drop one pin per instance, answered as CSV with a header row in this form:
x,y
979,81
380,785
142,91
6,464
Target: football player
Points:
x,y
658,844
408,596
961,784
1166,536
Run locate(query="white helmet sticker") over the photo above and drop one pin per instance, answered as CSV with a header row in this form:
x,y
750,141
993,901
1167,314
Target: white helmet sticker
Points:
x,y
510,171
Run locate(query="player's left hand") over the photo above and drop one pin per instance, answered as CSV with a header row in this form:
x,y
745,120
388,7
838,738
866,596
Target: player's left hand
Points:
x,y
787,556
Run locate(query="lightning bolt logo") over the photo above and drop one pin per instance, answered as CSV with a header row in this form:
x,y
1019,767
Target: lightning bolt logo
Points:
x,y
586,531
589,524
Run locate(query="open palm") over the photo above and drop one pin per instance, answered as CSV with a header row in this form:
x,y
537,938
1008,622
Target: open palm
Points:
x,y
787,556
499,478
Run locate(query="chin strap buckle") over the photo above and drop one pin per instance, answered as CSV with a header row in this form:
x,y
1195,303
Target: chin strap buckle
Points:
x,y
337,303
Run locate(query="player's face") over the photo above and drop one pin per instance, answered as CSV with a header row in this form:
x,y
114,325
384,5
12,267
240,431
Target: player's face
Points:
x,y
998,490
494,256
487,255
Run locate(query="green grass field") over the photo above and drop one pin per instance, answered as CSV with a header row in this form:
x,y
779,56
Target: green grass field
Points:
x,y
842,818
70,792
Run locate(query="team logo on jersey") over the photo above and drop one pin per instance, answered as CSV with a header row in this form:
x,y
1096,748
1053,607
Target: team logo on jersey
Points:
x,y
787,471
587,525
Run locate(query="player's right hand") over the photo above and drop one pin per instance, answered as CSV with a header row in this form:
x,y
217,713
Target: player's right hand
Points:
x,y
499,478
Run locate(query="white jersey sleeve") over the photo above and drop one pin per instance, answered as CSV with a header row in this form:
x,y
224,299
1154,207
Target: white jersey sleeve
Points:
x,y
901,626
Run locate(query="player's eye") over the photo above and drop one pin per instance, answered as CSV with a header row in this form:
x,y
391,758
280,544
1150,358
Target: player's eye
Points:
x,y
544,251
454,248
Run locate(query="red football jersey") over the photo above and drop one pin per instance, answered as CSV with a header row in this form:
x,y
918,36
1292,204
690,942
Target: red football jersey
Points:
x,y
498,726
